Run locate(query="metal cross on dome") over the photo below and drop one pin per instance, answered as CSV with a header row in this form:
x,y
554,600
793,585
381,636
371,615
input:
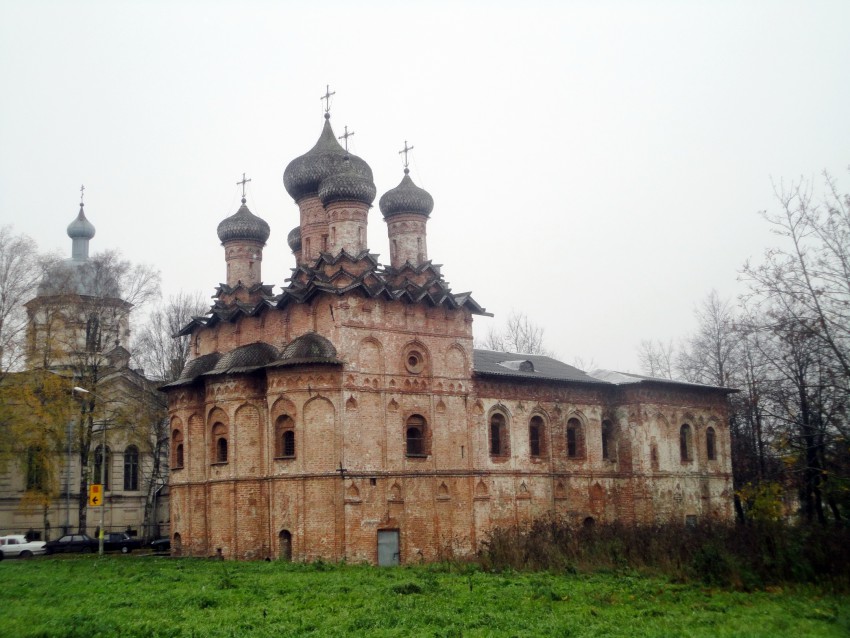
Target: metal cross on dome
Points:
x,y
82,192
405,150
242,183
345,137
327,97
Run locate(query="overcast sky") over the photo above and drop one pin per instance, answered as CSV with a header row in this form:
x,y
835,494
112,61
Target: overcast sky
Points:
x,y
598,166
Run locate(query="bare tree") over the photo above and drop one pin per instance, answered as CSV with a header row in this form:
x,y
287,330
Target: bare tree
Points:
x,y
157,350
520,335
799,302
708,355
809,276
21,269
163,355
656,358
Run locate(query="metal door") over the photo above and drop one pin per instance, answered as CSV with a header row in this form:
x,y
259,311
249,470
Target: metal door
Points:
x,y
387,547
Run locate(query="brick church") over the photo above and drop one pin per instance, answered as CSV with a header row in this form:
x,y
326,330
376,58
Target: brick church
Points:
x,y
350,417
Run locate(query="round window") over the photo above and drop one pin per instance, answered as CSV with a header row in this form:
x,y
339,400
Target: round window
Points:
x,y
414,362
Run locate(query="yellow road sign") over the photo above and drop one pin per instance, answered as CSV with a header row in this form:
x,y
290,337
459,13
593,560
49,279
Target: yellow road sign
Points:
x,y
95,495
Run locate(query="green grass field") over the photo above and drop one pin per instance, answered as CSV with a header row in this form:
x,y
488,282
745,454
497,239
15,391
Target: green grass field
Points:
x,y
157,596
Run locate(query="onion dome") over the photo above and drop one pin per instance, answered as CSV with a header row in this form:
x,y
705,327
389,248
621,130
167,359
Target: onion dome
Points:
x,y
244,358
304,174
347,185
200,365
81,228
294,239
243,224
407,197
308,348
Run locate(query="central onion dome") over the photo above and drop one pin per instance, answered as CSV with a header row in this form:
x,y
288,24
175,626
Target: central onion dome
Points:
x,y
407,197
81,228
243,224
347,185
304,174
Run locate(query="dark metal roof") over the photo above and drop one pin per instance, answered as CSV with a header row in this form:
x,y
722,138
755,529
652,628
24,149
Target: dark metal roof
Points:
x,y
347,185
294,239
628,378
310,347
243,224
527,366
304,174
407,197
245,358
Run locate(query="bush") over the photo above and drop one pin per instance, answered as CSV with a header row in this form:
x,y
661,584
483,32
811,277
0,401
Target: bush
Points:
x,y
743,557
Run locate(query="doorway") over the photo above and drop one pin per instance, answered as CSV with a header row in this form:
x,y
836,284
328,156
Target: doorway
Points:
x,y
388,553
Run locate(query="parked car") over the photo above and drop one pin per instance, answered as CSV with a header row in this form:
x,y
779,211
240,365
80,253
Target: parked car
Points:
x,y
17,545
161,544
72,543
119,541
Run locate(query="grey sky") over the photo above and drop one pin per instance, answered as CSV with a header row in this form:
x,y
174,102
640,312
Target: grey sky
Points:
x,y
597,165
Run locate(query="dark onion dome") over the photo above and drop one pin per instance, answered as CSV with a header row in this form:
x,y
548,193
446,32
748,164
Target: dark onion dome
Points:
x,y
347,185
200,365
253,355
304,174
294,239
243,224
308,348
407,197
81,228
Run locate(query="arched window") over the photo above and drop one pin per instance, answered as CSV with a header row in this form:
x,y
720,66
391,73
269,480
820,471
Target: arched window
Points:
x,y
499,445
100,466
575,439
415,435
36,469
607,441
176,449
710,445
219,439
536,436
686,443
285,437
131,469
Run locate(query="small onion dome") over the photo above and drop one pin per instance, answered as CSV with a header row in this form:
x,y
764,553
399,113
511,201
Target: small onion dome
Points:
x,y
309,347
200,365
304,174
407,197
294,239
253,355
81,228
243,224
347,185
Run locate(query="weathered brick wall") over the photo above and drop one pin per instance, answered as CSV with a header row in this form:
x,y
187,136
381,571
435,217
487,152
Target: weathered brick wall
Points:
x,y
354,416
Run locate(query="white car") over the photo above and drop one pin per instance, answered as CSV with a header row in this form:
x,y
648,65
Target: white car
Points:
x,y
17,545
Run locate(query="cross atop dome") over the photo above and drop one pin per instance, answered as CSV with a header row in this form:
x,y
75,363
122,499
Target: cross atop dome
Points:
x,y
242,183
345,137
406,150
327,98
